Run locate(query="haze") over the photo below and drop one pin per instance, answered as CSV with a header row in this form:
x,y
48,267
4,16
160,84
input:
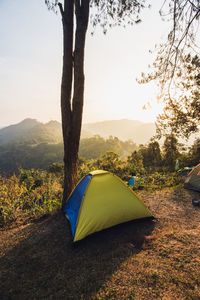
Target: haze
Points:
x,y
31,64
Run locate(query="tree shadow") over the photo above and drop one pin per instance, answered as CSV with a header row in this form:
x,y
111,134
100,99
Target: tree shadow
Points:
x,y
46,264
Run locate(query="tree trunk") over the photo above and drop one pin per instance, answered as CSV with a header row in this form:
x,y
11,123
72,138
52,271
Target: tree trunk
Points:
x,y
73,73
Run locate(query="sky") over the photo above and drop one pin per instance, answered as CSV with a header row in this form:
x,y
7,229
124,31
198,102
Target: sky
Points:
x,y
31,66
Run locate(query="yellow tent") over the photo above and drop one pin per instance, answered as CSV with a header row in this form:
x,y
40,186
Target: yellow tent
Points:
x,y
102,200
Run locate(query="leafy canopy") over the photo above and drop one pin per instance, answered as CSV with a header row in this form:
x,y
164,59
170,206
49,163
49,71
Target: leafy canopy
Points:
x,y
181,114
109,13
174,68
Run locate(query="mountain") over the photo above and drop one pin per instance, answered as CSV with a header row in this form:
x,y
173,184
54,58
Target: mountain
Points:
x,y
15,131
124,129
31,131
32,144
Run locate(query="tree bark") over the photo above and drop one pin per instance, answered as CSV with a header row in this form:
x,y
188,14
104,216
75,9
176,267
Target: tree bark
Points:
x,y
73,74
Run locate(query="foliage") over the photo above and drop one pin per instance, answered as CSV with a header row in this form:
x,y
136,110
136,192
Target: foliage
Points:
x,y
56,168
170,149
181,114
92,148
116,12
157,181
85,167
15,155
32,193
135,163
24,155
110,162
151,155
110,13
184,17
194,152
175,70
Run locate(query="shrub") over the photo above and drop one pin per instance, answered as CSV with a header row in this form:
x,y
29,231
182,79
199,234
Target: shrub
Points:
x,y
30,194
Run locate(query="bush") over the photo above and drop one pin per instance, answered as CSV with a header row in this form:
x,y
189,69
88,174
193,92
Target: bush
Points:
x,y
30,194
157,181
33,193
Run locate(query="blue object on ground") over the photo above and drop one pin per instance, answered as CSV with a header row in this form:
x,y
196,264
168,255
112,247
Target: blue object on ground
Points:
x,y
131,181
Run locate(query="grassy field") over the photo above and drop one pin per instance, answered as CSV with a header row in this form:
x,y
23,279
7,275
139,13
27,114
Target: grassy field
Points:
x,y
157,259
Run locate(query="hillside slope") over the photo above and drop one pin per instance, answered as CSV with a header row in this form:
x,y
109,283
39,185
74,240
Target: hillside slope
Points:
x,y
124,129
33,132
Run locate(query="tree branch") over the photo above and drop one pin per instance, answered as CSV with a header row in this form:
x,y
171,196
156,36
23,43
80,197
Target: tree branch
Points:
x,y
61,9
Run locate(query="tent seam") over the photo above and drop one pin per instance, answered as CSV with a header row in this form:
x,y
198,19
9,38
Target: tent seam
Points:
x,y
81,205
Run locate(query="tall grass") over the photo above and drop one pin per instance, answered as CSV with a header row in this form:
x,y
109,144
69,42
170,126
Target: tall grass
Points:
x,y
32,193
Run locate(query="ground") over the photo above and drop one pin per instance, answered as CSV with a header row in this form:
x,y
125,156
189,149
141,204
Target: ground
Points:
x,y
152,259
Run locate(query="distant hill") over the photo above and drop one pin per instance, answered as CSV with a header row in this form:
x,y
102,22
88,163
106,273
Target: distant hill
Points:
x,y
32,132
32,144
124,129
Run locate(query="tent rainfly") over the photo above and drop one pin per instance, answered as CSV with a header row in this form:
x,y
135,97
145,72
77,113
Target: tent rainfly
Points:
x,y
192,181
99,201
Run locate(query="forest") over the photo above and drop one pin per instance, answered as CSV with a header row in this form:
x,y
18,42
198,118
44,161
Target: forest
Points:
x,y
27,155
34,187
151,156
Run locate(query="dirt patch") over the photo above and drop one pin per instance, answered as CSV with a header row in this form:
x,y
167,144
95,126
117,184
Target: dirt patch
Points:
x,y
157,259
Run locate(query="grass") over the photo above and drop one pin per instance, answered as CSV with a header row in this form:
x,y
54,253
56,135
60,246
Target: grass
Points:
x,y
29,195
157,259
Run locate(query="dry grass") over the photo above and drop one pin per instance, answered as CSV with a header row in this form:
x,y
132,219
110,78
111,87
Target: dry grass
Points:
x,y
157,259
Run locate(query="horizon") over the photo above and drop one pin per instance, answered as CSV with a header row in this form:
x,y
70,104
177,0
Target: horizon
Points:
x,y
31,66
187,142
46,122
